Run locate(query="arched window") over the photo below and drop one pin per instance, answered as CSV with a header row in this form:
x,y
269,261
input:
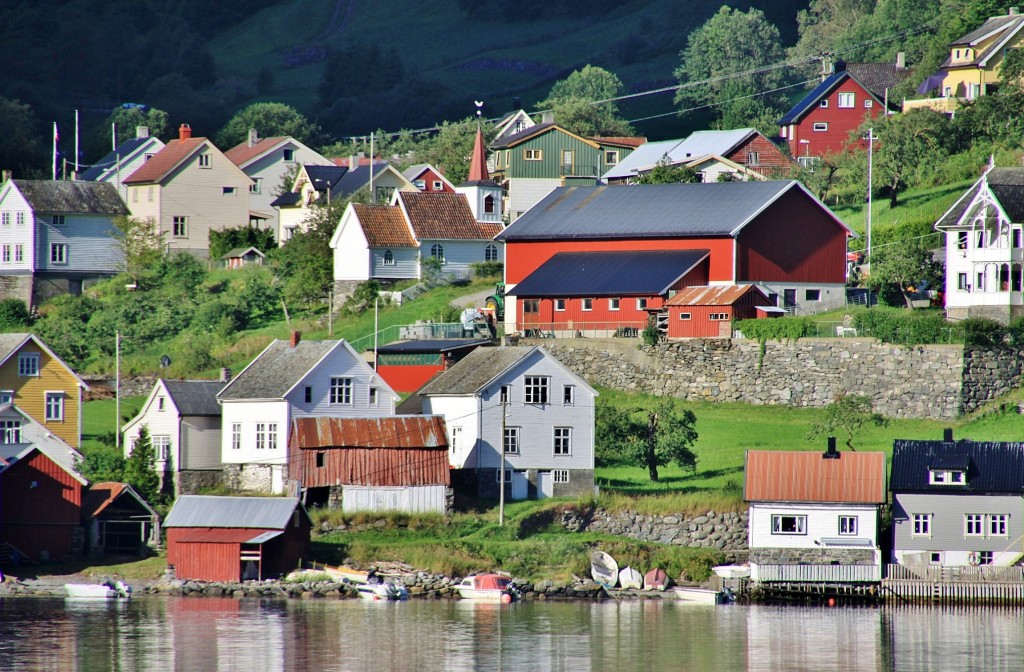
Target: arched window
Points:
x,y
389,258
491,252
489,204
437,252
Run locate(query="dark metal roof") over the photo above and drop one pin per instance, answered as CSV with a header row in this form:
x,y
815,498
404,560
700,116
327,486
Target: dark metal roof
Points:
x,y
76,197
124,150
1005,184
432,346
358,177
810,101
992,24
625,273
650,210
476,370
277,369
992,466
288,198
195,397
325,177
270,513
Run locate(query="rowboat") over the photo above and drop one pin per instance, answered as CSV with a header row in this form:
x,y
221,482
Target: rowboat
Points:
x,y
99,591
630,578
698,595
732,571
604,569
656,579
488,588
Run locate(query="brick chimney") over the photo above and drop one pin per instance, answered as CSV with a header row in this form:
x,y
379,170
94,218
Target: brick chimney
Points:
x,y
254,137
184,132
295,338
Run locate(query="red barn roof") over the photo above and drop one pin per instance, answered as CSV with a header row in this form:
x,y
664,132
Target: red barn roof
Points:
x,y
790,476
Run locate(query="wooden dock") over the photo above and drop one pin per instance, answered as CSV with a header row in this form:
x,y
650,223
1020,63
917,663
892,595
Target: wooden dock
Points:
x,y
953,585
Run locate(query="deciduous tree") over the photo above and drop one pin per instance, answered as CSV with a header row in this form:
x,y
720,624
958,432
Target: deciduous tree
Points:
x,y
269,120
848,413
648,437
905,264
576,102
141,244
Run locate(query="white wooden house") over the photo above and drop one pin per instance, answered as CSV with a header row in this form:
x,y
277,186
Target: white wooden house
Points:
x,y
182,418
374,242
814,516
124,160
525,400
291,379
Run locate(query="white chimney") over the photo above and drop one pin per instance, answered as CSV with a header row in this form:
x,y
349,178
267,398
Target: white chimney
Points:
x,y
142,131
548,118
901,60
253,137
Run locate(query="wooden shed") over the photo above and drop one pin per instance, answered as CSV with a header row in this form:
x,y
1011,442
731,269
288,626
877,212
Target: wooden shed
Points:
x,y
397,463
118,520
236,538
243,256
708,312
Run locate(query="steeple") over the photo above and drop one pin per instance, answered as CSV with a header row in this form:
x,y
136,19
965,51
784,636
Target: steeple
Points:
x,y
478,160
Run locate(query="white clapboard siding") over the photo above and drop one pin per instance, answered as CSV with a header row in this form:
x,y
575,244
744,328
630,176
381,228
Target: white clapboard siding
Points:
x,y
409,499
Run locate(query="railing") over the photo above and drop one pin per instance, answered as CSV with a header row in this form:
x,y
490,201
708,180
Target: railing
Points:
x,y
819,573
574,329
422,331
969,574
944,105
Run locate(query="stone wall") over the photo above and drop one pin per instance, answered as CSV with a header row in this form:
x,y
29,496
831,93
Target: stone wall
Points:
x,y
248,477
724,531
812,556
192,482
927,381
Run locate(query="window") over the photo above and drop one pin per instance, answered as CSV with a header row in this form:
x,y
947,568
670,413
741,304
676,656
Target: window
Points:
x,y
58,253
161,447
261,435
257,186
985,557
289,155
512,440
319,459
820,126
489,205
341,391
5,254
922,525
491,252
454,441
611,157
420,184
533,154
180,226
935,557
812,295
563,441
641,304
718,317
10,431
868,103
559,305
506,394
535,390
272,436
135,194
5,218
28,364
54,406
438,185
946,477
587,305
613,304
568,395
19,218
56,220
560,475
823,103
997,524
973,526
789,524
847,99
204,161
228,191
19,253
848,525
961,240
236,436
531,305
961,281
389,258
508,475
160,403
373,396
753,159
308,394
6,397
981,240
437,252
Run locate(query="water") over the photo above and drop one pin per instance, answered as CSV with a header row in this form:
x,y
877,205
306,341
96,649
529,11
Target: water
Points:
x,y
223,635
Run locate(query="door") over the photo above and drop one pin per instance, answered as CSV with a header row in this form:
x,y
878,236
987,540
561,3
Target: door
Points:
x,y
788,298
520,485
568,161
545,484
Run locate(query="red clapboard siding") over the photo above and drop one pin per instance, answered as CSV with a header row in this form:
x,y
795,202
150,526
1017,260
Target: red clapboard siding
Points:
x,y
40,505
841,121
408,378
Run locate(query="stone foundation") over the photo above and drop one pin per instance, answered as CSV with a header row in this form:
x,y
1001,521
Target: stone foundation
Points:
x,y
812,556
724,531
249,477
192,482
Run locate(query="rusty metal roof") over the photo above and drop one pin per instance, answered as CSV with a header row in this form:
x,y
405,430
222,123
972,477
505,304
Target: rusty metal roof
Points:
x,y
410,431
792,476
227,536
712,296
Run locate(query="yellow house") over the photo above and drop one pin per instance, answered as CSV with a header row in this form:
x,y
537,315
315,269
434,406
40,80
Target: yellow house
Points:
x,y
42,386
972,68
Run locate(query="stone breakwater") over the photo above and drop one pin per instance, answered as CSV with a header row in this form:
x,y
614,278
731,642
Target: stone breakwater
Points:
x,y
726,532
920,381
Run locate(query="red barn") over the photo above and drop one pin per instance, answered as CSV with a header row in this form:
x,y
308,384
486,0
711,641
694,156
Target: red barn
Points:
x,y
708,312
775,234
408,365
236,538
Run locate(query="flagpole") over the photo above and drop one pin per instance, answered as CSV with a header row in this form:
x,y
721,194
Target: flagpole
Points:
x,y
53,163
76,144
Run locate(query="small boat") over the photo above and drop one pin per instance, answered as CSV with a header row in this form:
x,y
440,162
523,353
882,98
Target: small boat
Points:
x,y
656,579
382,591
630,578
488,588
100,591
697,595
604,569
732,571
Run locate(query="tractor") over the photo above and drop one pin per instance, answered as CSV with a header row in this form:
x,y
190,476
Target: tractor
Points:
x,y
496,302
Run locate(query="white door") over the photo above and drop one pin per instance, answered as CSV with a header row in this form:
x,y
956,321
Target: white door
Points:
x,y
545,484
520,485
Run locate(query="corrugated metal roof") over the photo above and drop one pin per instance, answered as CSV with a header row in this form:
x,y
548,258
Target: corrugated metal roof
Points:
x,y
410,431
384,226
268,513
992,466
626,273
444,216
74,197
477,369
992,24
712,296
276,370
195,397
226,536
791,476
699,143
323,178
650,210
432,346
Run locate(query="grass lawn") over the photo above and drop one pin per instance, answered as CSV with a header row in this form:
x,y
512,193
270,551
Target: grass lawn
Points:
x,y
99,417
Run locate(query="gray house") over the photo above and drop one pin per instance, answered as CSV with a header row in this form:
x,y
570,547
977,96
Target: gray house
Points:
x,y
957,503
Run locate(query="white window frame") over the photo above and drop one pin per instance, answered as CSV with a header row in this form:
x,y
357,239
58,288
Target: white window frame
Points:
x,y
998,525
161,447
641,303
846,100
868,103
257,186
53,403
491,252
59,254
559,305
568,395
438,185
205,161
685,316
823,103
228,191
6,397
820,126
799,524
561,445
19,253
611,157
586,305
56,220
533,154
5,219
236,436
974,525
340,391
510,440
389,258
437,252
288,154
261,435
271,436
921,525
5,253
179,226
373,396
453,442
812,295
28,365
613,305
559,475
10,431
848,526
536,390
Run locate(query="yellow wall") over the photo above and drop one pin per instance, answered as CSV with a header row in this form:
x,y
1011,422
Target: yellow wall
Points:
x,y
30,392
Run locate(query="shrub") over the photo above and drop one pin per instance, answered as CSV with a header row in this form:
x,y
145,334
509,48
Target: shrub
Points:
x,y
651,335
1015,333
363,298
488,269
775,329
14,315
898,325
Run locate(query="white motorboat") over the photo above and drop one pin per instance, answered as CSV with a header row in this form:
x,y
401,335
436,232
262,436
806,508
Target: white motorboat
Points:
x,y
732,571
488,588
630,578
99,591
697,595
382,591
604,569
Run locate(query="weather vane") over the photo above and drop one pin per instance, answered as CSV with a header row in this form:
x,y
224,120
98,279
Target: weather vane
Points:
x,y
479,108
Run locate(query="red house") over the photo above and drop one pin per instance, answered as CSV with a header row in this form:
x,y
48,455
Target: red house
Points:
x,y
236,538
408,365
775,234
708,312
428,179
821,123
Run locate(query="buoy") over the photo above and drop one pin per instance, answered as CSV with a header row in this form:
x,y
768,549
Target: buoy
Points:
x,y
831,601
506,598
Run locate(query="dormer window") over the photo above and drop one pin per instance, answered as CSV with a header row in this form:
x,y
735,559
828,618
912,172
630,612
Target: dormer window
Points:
x,y
947,477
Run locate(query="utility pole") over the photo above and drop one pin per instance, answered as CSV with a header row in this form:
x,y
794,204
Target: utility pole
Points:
x,y
501,456
117,390
871,145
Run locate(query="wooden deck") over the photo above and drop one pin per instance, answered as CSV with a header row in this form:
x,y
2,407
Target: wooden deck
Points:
x,y
819,573
948,585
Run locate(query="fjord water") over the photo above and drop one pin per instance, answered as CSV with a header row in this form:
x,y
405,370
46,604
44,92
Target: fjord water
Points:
x,y
224,634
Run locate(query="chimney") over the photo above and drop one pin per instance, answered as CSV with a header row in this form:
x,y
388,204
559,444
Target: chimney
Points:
x,y
295,338
947,434
548,118
142,131
254,137
901,60
840,66
8,175
225,375
184,132
831,453
1014,11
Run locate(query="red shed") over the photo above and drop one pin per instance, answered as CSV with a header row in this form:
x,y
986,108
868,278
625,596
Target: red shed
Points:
x,y
397,463
408,365
236,538
708,312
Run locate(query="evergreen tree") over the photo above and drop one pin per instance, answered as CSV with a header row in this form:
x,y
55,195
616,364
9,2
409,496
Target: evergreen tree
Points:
x,y
140,467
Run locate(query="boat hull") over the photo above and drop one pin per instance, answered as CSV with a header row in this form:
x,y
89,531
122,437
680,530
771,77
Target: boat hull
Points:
x,y
95,591
697,595
604,569
656,579
630,578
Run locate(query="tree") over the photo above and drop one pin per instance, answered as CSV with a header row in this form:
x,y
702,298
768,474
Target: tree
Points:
x,y
666,173
20,148
141,244
648,437
848,413
225,240
724,65
269,120
306,262
140,467
907,145
906,264
128,119
576,102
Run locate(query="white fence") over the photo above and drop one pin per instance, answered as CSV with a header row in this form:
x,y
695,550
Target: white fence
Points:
x,y
817,573
411,499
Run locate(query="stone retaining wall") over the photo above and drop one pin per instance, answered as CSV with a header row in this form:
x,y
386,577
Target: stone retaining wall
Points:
x,y
812,556
724,531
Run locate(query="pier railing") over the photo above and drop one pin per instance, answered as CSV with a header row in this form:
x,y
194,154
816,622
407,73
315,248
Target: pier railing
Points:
x,y
969,574
819,573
